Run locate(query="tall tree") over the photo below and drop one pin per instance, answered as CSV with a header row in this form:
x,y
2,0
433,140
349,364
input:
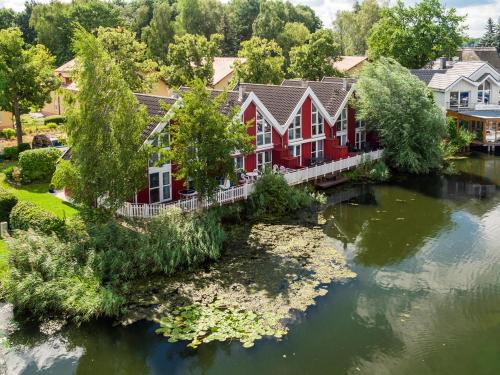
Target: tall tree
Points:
x,y
130,55
294,34
191,57
263,62
489,39
160,32
314,60
204,152
242,15
7,18
271,19
303,14
401,108
190,16
416,35
28,75
353,27
104,126
23,21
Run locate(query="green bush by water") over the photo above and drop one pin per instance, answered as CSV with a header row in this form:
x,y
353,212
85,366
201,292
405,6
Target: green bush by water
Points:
x,y
38,165
27,215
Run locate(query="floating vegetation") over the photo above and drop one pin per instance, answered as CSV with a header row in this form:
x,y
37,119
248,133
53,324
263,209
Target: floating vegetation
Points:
x,y
205,323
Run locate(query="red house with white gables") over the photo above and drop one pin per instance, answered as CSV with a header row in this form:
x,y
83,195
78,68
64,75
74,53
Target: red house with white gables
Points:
x,y
295,125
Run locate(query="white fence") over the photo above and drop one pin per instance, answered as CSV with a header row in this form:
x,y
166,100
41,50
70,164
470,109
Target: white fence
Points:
x,y
142,210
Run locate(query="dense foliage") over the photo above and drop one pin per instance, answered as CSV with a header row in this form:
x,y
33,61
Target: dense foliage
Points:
x,y
416,35
38,165
26,215
491,37
402,110
273,196
458,139
27,76
203,139
82,272
7,202
104,126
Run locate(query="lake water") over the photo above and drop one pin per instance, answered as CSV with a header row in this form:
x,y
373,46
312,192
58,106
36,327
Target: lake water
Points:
x,y
426,299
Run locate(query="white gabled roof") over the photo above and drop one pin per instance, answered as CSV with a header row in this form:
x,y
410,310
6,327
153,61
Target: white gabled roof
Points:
x,y
460,70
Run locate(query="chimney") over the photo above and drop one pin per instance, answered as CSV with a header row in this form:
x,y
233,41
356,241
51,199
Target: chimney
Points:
x,y
303,83
241,92
344,84
442,62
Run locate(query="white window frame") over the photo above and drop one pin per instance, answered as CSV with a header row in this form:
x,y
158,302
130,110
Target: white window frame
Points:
x,y
296,151
164,196
341,127
236,167
263,131
264,160
360,136
481,90
161,139
318,149
295,128
459,101
317,121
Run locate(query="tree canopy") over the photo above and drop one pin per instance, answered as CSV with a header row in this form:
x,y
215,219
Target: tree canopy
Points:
x,y
416,35
28,76
190,57
314,60
263,62
160,32
203,139
104,126
402,110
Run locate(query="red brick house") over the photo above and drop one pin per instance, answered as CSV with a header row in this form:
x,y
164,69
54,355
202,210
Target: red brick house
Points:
x,y
295,125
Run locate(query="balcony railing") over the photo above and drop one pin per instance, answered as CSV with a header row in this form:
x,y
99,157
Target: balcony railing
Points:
x,y
241,192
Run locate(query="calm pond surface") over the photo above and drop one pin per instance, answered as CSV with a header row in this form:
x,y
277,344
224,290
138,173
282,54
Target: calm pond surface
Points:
x,y
426,299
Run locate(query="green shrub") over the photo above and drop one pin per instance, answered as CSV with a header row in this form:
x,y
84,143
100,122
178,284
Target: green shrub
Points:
x,y
8,172
39,164
172,240
7,202
380,172
8,133
52,125
11,153
57,119
50,277
26,215
273,196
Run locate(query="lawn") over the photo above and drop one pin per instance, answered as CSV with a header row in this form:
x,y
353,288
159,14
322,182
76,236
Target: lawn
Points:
x,y
38,193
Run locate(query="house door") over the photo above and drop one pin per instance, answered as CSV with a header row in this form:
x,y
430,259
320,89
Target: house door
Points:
x,y
160,187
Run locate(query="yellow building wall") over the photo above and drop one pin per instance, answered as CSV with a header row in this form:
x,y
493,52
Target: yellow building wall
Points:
x,y
5,120
160,88
224,83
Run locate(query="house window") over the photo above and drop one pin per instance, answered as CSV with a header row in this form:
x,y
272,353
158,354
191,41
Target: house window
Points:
x,y
264,160
159,187
295,151
264,131
161,140
295,129
316,120
360,135
317,150
484,92
341,126
459,99
239,163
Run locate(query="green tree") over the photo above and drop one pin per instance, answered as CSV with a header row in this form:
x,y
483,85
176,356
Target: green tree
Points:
x,y
416,35
263,62
23,21
28,75
294,34
489,39
314,60
7,18
303,14
203,139
104,124
190,16
242,14
353,27
190,57
160,32
271,19
400,108
130,55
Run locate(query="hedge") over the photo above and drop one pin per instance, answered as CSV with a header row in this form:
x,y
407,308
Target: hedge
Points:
x,y
39,164
27,215
58,119
11,153
7,202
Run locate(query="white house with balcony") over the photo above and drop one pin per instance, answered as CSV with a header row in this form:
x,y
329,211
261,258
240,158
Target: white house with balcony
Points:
x,y
469,91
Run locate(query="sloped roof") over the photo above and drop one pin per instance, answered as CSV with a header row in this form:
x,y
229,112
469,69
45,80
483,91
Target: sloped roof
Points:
x,y
280,101
441,81
153,107
426,75
67,67
347,63
330,94
223,66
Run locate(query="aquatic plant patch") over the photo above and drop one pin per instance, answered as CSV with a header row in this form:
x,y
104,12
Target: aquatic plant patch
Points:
x,y
216,322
